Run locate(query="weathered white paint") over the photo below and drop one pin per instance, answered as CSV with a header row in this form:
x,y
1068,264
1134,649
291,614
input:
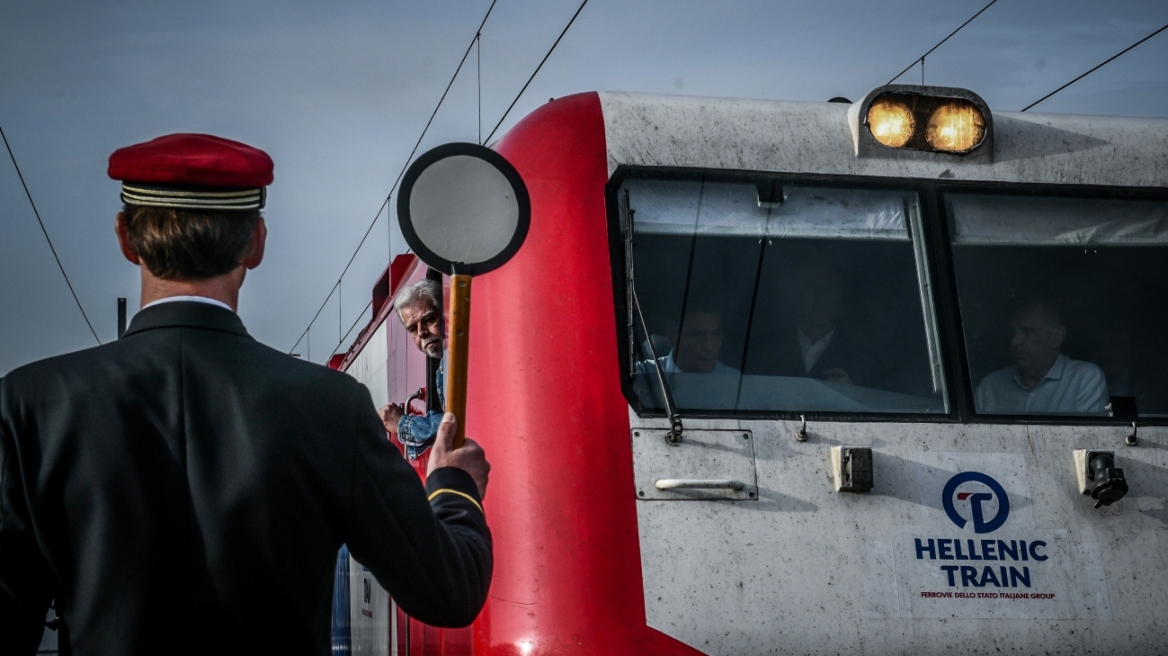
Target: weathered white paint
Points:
x,y
708,456
369,366
808,570
370,621
763,135
804,569
369,617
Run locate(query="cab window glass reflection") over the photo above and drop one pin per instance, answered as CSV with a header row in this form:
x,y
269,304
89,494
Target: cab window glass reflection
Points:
x,y
772,297
1061,303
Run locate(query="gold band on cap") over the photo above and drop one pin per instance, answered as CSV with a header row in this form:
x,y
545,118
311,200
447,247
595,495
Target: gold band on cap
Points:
x,y
194,199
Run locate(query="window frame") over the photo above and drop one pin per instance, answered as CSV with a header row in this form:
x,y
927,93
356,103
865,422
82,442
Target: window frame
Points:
x,y
938,249
942,223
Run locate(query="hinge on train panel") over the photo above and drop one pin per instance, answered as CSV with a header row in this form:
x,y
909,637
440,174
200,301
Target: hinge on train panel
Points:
x,y
675,429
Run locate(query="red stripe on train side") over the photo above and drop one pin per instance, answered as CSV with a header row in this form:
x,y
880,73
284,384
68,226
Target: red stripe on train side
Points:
x,y
545,402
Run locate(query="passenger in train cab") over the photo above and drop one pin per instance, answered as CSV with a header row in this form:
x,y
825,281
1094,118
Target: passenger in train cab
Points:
x,y
186,488
419,307
817,341
690,359
697,345
1042,380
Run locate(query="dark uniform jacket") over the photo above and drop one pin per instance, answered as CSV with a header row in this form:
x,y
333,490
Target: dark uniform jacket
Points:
x,y
186,489
783,357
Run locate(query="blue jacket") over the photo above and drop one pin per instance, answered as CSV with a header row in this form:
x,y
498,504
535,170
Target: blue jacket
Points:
x,y
417,432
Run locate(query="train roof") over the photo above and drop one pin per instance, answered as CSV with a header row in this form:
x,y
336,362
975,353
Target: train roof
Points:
x,y
821,138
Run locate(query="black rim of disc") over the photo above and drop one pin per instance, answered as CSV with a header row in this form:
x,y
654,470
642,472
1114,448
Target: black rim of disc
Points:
x,y
431,258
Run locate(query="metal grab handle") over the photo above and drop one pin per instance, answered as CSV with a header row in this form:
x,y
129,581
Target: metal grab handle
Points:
x,y
698,484
419,395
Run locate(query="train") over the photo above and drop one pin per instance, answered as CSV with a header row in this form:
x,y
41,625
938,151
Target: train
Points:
x,y
879,377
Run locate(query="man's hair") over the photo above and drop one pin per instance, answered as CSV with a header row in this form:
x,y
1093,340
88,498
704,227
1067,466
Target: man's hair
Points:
x,y
1042,307
702,303
183,244
426,289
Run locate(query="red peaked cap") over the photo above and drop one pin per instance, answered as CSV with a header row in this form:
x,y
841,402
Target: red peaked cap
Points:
x,y
192,159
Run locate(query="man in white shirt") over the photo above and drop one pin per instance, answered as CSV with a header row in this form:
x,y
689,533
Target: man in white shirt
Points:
x,y
1042,379
698,346
696,376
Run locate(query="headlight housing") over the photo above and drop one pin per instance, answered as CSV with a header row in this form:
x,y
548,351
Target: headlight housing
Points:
x,y
916,118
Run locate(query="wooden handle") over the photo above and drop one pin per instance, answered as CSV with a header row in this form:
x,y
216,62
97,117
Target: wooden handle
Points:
x,y
457,343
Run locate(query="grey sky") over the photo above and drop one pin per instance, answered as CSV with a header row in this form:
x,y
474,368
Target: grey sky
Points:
x,y
337,93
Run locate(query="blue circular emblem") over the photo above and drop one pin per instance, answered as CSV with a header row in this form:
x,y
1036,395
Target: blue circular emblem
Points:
x,y
976,499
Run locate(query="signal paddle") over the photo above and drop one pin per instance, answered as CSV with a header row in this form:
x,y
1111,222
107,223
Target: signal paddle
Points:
x,y
464,210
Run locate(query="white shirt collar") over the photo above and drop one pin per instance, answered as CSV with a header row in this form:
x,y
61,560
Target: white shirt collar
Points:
x,y
812,350
196,299
1054,373
668,366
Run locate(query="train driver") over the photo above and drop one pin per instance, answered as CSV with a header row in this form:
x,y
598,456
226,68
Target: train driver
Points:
x,y
1042,380
419,307
697,345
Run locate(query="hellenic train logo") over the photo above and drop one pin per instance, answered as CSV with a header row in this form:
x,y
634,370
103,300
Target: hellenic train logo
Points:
x,y
978,497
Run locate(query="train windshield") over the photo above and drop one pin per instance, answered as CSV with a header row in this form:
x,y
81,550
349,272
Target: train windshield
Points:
x,y
1062,303
760,295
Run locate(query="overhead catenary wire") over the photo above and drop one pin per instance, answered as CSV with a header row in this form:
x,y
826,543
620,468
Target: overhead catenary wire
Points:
x,y
1105,62
47,238
479,79
536,71
393,187
477,44
921,60
353,325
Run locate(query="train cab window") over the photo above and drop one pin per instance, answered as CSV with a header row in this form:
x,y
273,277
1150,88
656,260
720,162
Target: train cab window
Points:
x,y
1062,303
766,295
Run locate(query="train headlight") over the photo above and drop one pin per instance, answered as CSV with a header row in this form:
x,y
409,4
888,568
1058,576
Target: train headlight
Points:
x,y
901,121
956,127
892,122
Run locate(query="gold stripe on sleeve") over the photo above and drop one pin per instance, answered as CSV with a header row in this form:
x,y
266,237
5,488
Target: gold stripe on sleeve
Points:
x,y
466,496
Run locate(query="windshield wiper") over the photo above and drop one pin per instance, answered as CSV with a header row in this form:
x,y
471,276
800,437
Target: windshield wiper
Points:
x,y
634,307
675,427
